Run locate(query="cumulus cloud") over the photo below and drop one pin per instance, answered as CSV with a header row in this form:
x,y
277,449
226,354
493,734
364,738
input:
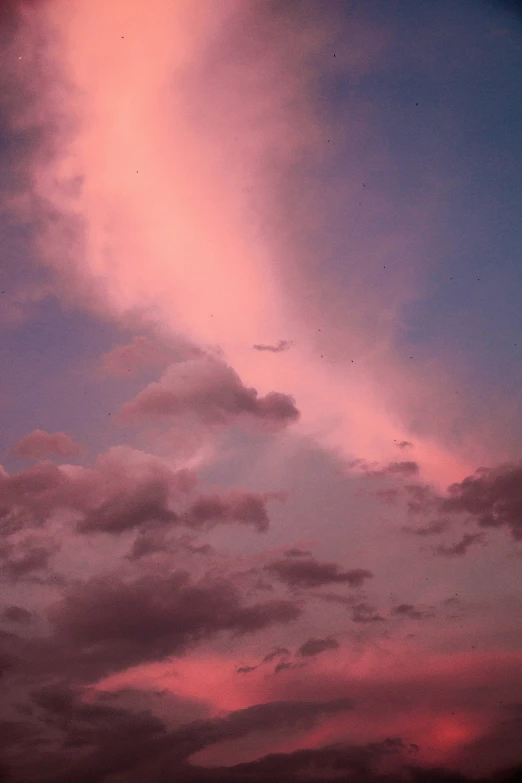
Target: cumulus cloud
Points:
x,y
248,507
213,392
111,624
315,646
40,444
312,573
26,557
142,352
407,468
493,496
126,490
116,741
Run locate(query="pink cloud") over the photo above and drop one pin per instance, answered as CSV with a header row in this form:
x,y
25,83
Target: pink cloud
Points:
x,y
201,265
40,444
212,391
139,353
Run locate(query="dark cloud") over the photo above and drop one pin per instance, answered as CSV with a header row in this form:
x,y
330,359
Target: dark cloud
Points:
x,y
364,613
388,496
409,611
98,741
282,345
27,556
335,598
245,669
461,547
431,529
212,391
17,614
275,654
408,468
248,507
295,552
311,573
130,508
421,499
126,490
107,624
404,444
493,496
315,646
40,444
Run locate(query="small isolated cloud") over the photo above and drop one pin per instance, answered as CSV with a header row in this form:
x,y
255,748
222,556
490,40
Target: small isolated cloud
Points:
x,y
213,392
295,552
40,444
282,345
245,669
282,665
404,444
364,613
315,646
461,547
311,573
409,611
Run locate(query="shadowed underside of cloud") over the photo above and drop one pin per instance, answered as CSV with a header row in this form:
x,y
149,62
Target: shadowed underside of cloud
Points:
x,y
247,507
27,556
493,496
93,741
212,391
40,444
364,613
308,572
127,490
81,742
315,646
16,614
107,624
411,612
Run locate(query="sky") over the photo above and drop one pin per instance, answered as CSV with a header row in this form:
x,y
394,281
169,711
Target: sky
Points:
x,y
260,373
